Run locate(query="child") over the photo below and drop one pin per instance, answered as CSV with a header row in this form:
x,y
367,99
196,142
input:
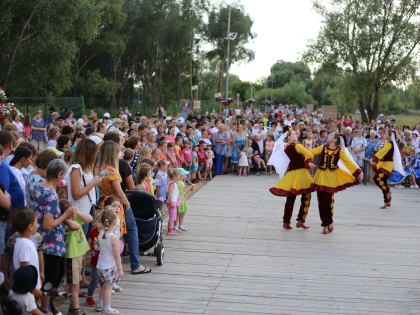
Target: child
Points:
x,y
144,171
109,265
269,146
173,199
201,159
187,157
178,151
209,162
24,281
195,174
76,247
163,147
413,169
25,252
27,127
94,255
182,208
161,180
243,162
260,162
171,156
156,154
128,155
114,204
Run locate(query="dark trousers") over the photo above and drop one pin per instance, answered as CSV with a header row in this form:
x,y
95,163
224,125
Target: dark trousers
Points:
x,y
305,202
326,207
220,160
381,180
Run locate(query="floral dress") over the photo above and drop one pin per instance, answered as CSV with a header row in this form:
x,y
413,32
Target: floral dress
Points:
x,y
46,202
107,190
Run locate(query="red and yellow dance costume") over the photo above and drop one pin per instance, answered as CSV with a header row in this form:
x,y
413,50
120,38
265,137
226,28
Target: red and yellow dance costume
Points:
x,y
329,179
384,164
297,181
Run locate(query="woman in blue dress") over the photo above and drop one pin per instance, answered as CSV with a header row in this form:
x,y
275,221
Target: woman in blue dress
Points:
x,y
240,137
413,169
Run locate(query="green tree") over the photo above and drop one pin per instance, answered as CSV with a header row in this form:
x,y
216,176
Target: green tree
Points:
x,y
373,41
215,33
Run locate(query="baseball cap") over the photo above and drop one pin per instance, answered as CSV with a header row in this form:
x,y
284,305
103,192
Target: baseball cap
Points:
x,y
107,115
182,171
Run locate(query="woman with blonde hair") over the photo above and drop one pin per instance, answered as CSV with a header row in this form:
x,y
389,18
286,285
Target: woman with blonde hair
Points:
x,y
110,186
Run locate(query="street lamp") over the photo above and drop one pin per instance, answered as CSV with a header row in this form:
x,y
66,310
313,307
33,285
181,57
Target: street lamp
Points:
x,y
229,36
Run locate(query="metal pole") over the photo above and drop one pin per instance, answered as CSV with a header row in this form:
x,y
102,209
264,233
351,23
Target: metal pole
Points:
x,y
228,52
266,87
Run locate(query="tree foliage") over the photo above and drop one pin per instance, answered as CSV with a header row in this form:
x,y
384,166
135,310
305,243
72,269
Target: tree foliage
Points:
x,y
116,49
374,42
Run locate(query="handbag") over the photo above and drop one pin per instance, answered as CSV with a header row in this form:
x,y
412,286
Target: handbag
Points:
x,y
93,207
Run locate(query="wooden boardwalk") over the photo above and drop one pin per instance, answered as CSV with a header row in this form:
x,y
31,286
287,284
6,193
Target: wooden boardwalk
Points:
x,y
236,258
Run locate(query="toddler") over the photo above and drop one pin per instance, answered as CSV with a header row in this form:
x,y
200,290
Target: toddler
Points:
x,y
187,156
109,265
209,162
173,199
27,127
195,173
269,146
243,162
144,171
182,208
76,247
161,180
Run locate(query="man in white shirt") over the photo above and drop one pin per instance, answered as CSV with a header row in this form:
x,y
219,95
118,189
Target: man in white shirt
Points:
x,y
258,134
289,120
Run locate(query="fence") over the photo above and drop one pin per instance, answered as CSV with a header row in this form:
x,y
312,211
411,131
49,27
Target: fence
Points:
x,y
80,106
61,104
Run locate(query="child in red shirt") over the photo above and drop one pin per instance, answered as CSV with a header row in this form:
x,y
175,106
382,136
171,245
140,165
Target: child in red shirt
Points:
x,y
187,155
94,255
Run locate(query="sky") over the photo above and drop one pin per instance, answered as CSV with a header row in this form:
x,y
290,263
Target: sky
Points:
x,y
283,29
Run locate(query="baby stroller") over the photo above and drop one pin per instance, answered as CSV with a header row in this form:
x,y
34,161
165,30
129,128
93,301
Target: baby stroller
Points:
x,y
147,212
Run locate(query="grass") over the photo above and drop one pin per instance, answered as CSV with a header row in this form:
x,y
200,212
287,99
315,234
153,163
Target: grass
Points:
x,y
403,119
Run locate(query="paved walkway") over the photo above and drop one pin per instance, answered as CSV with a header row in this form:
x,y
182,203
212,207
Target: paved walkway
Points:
x,y
236,258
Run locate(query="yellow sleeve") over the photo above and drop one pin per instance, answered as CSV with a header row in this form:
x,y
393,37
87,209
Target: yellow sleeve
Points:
x,y
317,151
351,166
382,152
304,151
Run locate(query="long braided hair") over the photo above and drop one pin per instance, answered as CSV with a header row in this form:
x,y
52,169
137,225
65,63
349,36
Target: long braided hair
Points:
x,y
108,219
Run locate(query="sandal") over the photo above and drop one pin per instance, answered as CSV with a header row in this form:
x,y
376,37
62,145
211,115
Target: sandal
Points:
x,y
143,271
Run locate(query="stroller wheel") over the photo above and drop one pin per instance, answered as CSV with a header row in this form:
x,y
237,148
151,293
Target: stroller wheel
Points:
x,y
159,253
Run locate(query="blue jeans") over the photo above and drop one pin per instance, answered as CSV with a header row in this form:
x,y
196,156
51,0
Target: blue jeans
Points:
x,y
94,280
3,234
220,160
132,239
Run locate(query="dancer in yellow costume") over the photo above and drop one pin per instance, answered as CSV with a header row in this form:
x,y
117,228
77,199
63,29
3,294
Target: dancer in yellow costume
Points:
x,y
384,162
336,172
297,180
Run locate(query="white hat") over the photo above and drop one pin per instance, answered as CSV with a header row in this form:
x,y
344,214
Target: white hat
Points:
x,y
107,115
180,120
95,139
80,121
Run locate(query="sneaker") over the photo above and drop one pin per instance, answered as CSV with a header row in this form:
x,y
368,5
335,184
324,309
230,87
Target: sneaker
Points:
x,y
173,233
258,174
99,307
412,186
90,301
178,230
117,289
183,228
111,311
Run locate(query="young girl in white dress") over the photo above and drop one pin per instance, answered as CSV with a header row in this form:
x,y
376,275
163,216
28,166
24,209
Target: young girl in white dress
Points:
x,y
243,162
